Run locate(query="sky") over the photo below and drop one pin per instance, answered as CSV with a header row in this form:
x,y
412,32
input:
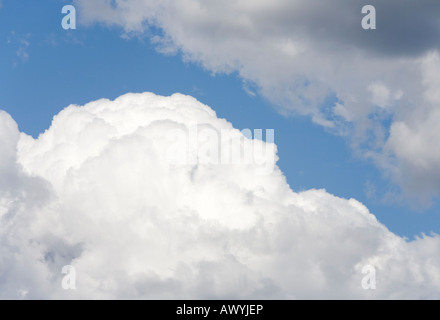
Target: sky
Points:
x,y
355,115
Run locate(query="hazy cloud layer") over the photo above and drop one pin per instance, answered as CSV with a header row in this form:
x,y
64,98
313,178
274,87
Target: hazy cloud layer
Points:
x,y
100,190
313,58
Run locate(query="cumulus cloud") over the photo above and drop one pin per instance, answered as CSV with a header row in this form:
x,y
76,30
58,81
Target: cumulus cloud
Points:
x,y
99,190
310,58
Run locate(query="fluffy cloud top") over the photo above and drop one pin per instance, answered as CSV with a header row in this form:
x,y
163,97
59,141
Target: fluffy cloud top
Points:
x,y
98,191
313,58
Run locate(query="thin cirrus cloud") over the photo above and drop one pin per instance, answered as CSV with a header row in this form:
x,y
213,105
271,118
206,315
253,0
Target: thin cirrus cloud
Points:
x,y
22,42
374,87
100,191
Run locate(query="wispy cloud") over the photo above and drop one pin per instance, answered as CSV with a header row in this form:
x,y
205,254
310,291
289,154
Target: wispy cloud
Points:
x,y
22,42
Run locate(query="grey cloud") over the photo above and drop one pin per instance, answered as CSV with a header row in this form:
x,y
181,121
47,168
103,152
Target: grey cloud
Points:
x,y
404,28
301,54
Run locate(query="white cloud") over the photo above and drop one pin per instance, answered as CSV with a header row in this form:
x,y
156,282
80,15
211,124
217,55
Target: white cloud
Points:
x,y
97,191
380,94
300,53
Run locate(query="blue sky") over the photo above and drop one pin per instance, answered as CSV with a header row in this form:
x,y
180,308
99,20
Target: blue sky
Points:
x,y
97,188
44,68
